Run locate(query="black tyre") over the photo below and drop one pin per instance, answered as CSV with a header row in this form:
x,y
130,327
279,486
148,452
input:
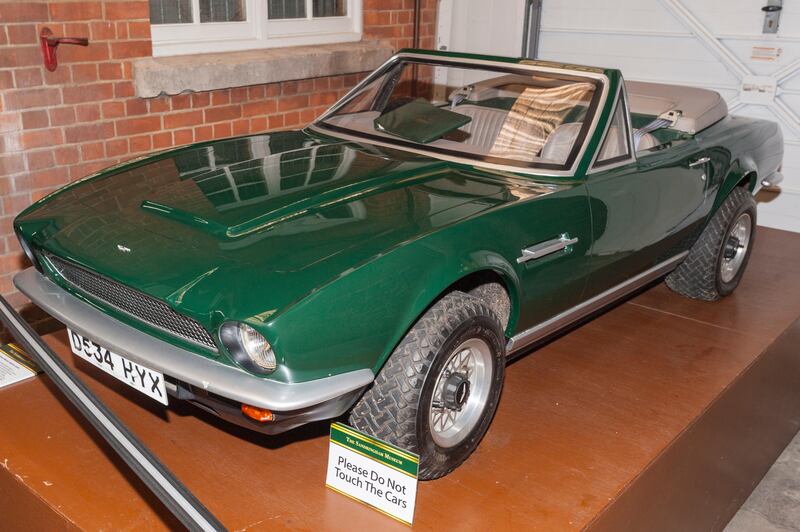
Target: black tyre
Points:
x,y
438,391
717,260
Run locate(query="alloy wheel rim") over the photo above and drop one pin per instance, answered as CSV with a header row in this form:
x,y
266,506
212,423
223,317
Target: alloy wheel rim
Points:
x,y
461,393
735,247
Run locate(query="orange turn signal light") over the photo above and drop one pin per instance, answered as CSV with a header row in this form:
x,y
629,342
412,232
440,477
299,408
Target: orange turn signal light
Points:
x,y
259,414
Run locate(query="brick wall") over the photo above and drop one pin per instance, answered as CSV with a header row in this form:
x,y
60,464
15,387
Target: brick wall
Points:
x,y
56,127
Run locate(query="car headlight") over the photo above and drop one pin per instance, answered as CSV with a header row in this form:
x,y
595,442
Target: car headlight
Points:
x,y
248,347
28,251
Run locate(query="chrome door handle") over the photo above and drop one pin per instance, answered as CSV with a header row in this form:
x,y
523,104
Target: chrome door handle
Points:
x,y
700,161
546,248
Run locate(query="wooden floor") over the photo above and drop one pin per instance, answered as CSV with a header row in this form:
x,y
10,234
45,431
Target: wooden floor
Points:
x,y
580,421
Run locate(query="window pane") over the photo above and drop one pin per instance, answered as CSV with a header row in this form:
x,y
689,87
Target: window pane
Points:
x,y
222,10
170,11
615,144
278,9
330,8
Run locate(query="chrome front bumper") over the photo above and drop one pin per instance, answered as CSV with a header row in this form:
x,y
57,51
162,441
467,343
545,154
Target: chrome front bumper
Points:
x,y
202,373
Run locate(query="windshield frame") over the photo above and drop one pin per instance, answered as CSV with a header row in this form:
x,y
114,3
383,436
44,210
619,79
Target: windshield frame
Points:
x,y
597,104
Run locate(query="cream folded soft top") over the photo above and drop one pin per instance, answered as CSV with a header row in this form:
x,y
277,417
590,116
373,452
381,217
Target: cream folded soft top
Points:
x,y
699,108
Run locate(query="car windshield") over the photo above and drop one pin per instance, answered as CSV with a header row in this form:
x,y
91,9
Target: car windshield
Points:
x,y
505,116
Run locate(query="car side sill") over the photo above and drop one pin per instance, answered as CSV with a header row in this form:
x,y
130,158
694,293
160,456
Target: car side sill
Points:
x,y
559,321
195,369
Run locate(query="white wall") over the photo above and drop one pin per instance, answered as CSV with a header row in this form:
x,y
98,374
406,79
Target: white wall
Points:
x,y
648,41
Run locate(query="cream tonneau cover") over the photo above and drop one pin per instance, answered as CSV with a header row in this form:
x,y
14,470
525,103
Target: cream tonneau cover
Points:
x,y
700,107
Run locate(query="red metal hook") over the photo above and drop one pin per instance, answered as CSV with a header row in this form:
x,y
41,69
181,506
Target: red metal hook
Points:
x,y
50,44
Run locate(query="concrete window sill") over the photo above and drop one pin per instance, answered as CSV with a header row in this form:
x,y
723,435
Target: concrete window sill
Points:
x,y
154,76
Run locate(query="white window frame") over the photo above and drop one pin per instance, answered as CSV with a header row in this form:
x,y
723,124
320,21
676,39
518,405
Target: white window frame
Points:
x,y
256,32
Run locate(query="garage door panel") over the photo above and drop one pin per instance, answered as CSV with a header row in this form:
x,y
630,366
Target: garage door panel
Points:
x,y
672,48
744,49
640,15
791,99
793,102
741,16
792,84
727,93
477,26
636,65
791,166
654,40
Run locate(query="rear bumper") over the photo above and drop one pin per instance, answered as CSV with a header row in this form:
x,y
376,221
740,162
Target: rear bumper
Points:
x,y
308,401
772,181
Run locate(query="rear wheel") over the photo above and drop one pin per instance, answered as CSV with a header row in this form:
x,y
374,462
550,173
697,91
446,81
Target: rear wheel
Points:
x,y
717,260
438,391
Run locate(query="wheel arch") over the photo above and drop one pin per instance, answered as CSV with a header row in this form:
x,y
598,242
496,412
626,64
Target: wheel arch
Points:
x,y
471,271
742,172
365,314
483,277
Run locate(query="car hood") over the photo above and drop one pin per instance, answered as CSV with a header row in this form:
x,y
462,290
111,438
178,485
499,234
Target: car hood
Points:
x,y
226,229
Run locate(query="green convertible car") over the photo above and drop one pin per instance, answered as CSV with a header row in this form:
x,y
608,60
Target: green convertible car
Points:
x,y
448,213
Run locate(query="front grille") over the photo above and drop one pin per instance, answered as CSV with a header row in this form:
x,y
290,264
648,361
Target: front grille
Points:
x,y
132,302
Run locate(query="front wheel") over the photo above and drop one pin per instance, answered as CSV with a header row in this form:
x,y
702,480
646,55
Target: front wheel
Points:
x,y
717,260
438,391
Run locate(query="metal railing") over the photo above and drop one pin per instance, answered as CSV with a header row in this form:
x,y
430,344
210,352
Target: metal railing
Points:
x,y
169,490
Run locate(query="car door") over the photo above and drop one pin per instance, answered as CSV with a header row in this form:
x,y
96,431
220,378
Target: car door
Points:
x,y
552,237
646,207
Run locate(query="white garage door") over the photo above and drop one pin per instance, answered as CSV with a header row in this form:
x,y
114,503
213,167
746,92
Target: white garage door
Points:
x,y
480,26
717,44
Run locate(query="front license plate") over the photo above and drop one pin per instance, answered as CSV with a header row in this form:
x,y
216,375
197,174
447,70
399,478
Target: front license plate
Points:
x,y
147,381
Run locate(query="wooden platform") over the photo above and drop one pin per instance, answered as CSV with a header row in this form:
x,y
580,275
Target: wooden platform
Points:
x,y
661,414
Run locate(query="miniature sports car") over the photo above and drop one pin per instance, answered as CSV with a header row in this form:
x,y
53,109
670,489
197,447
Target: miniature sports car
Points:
x,y
448,213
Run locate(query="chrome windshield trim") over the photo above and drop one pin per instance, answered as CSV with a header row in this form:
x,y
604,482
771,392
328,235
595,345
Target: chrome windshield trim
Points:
x,y
193,368
569,316
318,127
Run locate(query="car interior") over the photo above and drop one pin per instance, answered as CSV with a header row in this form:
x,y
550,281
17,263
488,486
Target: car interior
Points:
x,y
532,119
